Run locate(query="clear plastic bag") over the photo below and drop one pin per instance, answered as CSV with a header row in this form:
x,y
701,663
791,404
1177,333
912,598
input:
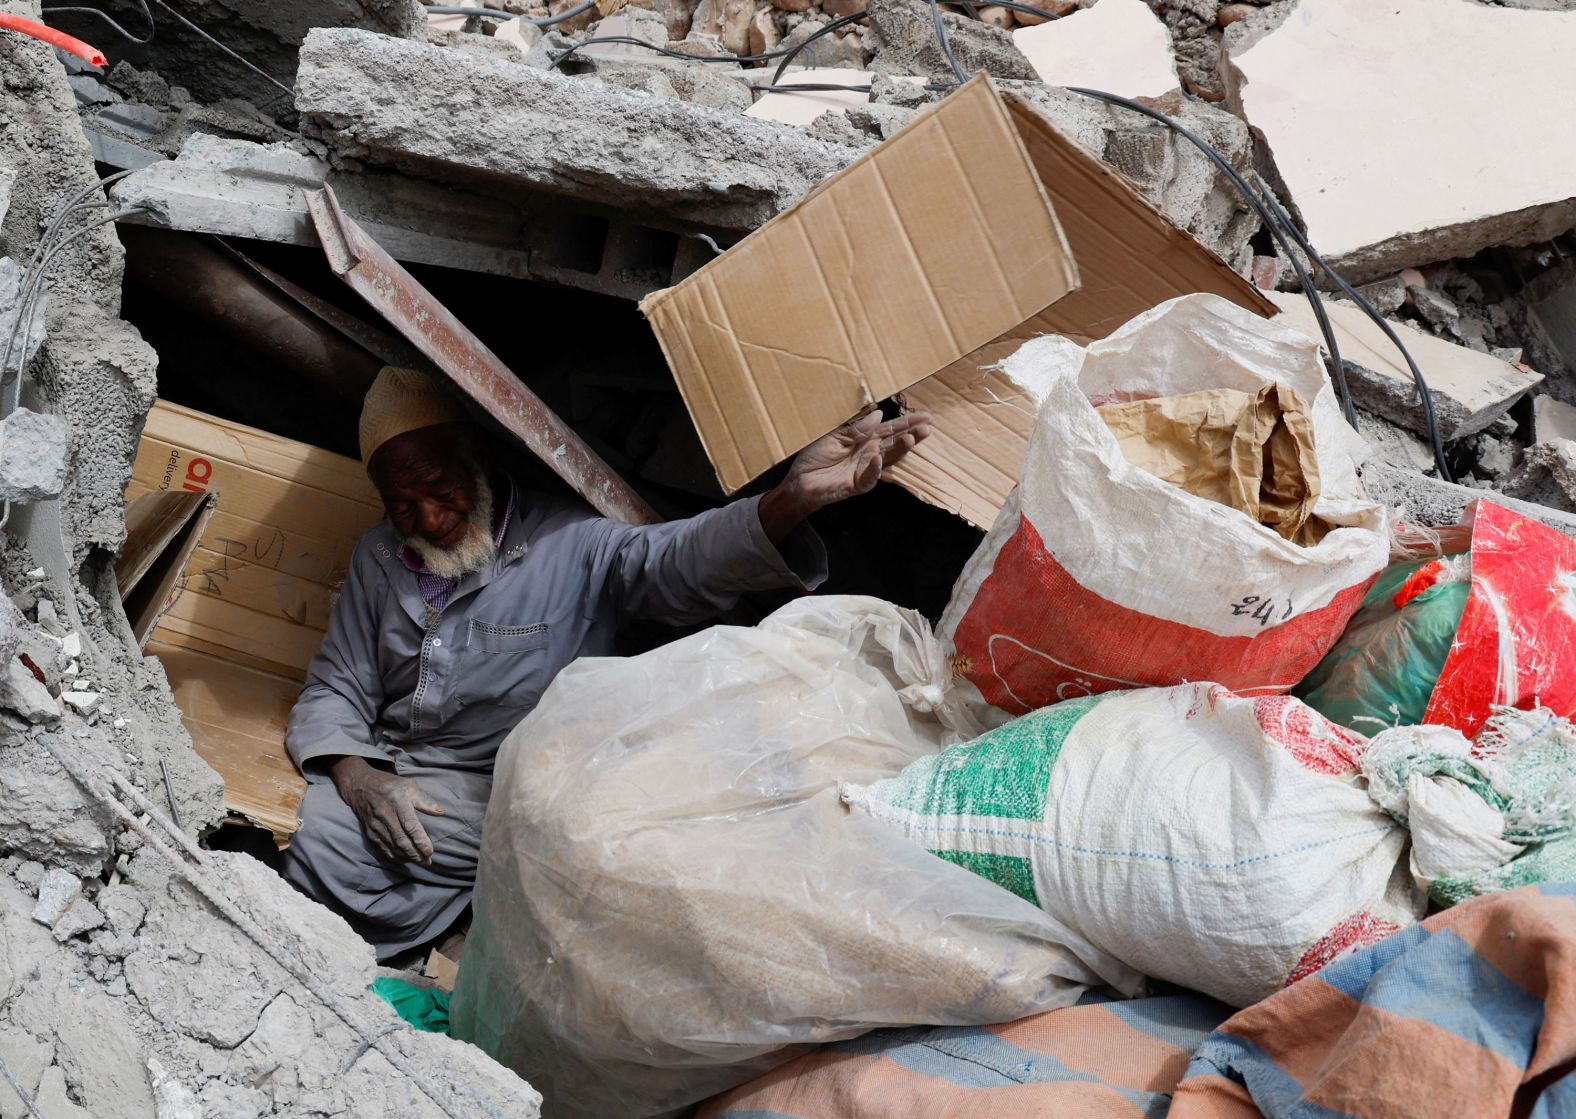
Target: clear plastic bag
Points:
x,y
672,899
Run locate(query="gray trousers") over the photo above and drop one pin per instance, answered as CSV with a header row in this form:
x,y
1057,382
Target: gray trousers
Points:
x,y
394,906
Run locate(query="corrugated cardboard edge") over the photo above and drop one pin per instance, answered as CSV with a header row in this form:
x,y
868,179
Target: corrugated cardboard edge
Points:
x,y
983,421
732,469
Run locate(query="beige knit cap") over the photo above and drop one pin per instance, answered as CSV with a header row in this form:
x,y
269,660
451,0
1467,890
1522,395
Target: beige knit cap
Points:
x,y
402,400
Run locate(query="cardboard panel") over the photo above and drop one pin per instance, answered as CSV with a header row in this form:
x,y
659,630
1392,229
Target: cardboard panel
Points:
x,y
236,717
259,586
916,254
1130,258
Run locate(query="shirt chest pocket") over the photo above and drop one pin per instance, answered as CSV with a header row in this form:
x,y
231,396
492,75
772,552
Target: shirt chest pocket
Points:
x,y
502,666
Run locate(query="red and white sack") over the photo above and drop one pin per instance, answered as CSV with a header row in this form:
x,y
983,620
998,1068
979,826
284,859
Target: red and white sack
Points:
x,y
1099,575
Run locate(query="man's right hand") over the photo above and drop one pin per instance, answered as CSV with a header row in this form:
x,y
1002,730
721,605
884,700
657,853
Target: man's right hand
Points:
x,y
386,804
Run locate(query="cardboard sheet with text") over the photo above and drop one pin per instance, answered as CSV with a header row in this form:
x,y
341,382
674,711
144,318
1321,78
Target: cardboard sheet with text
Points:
x,y
249,611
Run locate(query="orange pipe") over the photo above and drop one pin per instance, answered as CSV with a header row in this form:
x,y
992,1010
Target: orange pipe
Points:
x,y
89,54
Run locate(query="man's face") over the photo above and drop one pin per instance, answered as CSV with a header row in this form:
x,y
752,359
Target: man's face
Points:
x,y
437,498
428,481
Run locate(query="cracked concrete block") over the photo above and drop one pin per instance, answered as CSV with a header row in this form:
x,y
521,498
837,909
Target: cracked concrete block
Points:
x,y
1547,474
1118,46
53,1102
55,894
1463,110
1470,390
83,703
393,102
33,455
907,44
80,916
241,189
45,815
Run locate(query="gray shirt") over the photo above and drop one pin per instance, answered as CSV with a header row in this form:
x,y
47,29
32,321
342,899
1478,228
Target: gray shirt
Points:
x,y
395,685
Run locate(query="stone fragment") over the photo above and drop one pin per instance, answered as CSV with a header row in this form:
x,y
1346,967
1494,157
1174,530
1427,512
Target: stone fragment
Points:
x,y
676,14
1117,46
837,9
56,892
79,917
1434,306
1386,295
1547,475
21,692
123,908
1496,456
997,16
1438,174
1232,13
32,456
792,5
763,32
1470,390
71,645
83,703
518,34
30,873
700,84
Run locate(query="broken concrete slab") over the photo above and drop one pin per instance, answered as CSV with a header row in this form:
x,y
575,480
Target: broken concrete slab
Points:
x,y
389,101
1430,501
1117,46
1470,390
80,916
1546,475
243,189
1444,169
32,456
1552,419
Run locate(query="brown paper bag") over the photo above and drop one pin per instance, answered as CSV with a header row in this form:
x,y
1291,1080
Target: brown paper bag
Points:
x,y
1251,451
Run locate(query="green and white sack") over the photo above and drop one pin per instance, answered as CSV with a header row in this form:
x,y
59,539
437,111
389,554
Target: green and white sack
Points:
x,y
1224,843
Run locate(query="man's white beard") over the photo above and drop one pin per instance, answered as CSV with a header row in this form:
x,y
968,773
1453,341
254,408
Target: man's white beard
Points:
x,y
476,550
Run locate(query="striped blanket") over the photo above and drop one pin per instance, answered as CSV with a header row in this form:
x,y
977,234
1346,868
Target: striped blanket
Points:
x,y
1472,1014
1097,1060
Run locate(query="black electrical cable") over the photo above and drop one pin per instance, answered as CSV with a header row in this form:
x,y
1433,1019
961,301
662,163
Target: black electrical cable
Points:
x,y
1425,395
765,56
810,87
499,13
1270,223
946,43
119,30
835,25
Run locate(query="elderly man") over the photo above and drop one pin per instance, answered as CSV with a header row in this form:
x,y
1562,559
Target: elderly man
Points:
x,y
459,610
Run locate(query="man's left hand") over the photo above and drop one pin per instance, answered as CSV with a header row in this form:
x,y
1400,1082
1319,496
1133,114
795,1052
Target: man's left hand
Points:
x,y
843,464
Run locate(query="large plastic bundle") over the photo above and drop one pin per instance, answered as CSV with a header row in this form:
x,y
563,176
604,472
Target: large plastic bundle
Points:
x,y
1223,843
673,900
1132,554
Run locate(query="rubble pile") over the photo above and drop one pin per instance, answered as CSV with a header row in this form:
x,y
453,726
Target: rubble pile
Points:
x,y
612,150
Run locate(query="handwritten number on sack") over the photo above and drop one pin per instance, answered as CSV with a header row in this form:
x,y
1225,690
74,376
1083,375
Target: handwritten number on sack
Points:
x,y
1262,610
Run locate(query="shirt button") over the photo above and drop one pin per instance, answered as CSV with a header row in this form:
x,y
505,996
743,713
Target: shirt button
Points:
x,y
436,642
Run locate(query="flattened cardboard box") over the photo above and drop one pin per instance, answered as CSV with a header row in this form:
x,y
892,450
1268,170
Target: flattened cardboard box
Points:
x,y
918,252
794,329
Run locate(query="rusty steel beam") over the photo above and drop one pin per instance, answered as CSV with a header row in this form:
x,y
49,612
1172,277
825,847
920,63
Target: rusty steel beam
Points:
x,y
429,326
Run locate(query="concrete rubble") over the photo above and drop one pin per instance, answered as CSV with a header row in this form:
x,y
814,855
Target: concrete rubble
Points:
x,y
1442,172
124,991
